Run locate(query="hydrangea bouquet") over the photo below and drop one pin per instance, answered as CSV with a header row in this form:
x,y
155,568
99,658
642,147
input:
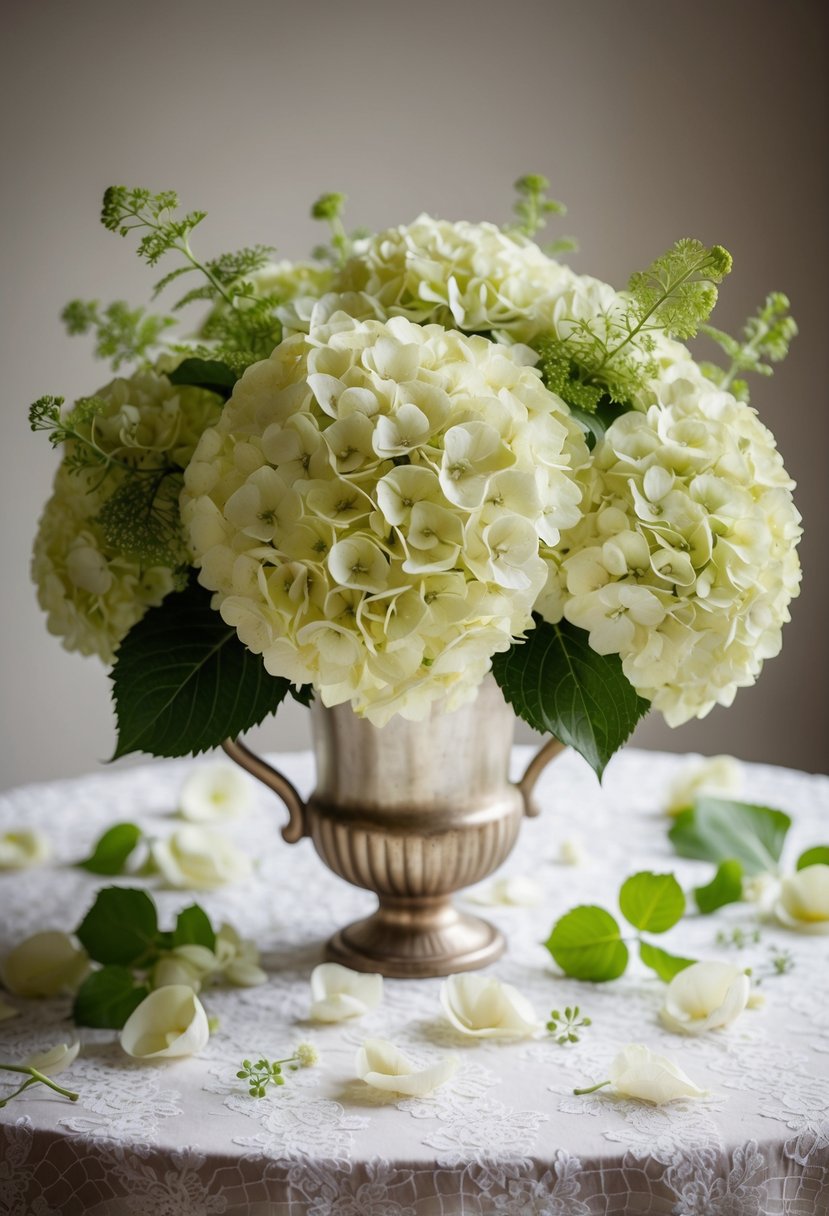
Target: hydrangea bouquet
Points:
x,y
430,453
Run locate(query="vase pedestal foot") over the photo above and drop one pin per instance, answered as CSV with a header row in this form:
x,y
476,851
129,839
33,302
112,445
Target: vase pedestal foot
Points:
x,y
416,938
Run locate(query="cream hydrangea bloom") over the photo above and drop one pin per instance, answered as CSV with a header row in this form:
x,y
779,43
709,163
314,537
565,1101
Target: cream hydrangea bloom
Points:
x,y
459,274
370,507
684,563
93,592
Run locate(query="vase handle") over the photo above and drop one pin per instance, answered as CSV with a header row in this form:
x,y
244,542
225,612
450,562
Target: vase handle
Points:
x,y
297,825
547,752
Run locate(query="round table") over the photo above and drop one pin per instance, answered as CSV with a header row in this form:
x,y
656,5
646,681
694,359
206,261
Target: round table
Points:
x,y
506,1135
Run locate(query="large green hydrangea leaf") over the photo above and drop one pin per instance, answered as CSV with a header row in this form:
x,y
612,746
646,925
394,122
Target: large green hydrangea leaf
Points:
x,y
183,682
556,683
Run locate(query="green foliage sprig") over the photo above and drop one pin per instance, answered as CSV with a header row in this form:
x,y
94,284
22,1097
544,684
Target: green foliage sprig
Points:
x,y
587,942
674,295
242,323
264,1073
767,337
122,334
121,932
563,1028
531,209
329,209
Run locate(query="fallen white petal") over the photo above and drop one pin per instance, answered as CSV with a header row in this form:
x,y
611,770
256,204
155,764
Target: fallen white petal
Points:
x,y
705,996
638,1072
23,848
170,1022
804,900
338,993
199,859
55,1059
44,965
213,792
483,1007
380,1064
720,775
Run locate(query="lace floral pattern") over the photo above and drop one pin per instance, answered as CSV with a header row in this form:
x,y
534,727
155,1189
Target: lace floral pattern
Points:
x,y
506,1136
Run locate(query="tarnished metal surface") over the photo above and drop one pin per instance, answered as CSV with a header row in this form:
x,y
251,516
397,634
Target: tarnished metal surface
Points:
x,y
413,811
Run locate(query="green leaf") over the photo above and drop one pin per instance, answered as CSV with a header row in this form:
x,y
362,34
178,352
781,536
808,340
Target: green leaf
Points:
x,y
107,997
664,964
112,849
183,682
726,887
120,927
193,928
211,374
587,944
816,856
556,683
652,902
717,829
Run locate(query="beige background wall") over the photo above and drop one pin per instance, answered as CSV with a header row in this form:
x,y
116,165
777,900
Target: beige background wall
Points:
x,y
655,119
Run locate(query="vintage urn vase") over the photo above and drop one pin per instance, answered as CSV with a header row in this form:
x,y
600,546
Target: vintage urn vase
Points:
x,y
413,811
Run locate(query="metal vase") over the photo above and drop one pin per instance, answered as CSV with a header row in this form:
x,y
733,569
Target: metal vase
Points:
x,y
413,811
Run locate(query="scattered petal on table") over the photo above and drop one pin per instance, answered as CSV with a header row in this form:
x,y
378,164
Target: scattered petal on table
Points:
x,y
199,859
572,852
705,996
55,1059
516,891
804,900
481,1006
638,1072
214,792
720,775
380,1064
338,993
23,847
45,965
169,1022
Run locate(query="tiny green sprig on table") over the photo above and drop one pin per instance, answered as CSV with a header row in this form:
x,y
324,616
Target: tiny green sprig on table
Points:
x,y
563,1029
264,1073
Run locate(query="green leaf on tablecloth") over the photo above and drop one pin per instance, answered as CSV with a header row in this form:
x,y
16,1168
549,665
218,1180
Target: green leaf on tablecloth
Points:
x,y
107,997
121,927
587,944
652,902
210,374
183,682
560,686
109,856
193,928
818,855
717,829
726,887
664,964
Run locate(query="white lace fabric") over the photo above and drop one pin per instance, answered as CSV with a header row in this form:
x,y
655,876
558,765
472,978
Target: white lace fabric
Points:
x,y
506,1136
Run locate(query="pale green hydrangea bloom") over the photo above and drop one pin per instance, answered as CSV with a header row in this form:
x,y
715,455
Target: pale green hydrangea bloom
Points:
x,y
467,276
684,562
371,506
91,591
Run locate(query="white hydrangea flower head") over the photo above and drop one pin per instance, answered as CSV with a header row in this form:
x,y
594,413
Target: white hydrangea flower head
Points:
x,y
474,277
91,591
370,507
684,562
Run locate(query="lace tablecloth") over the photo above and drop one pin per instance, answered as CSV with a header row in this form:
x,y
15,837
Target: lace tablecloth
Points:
x,y
506,1136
